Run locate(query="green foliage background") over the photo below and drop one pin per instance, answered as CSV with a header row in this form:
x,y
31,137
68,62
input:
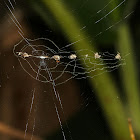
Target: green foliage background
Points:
x,y
58,15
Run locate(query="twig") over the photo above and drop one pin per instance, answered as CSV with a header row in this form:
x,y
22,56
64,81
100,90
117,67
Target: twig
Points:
x,y
131,129
7,130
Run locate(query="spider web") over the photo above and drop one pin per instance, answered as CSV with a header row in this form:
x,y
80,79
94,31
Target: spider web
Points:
x,y
41,65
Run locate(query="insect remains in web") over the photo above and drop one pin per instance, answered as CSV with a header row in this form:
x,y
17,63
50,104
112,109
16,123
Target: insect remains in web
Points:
x,y
60,62
23,54
56,58
118,56
96,55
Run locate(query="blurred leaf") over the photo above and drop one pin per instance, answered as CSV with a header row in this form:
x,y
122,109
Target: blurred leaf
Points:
x,y
88,13
129,75
107,91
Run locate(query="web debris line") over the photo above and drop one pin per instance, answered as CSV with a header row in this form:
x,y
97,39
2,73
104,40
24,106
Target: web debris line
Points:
x,y
64,62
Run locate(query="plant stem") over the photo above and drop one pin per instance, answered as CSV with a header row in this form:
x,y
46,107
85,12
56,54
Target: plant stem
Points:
x,y
107,93
129,75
